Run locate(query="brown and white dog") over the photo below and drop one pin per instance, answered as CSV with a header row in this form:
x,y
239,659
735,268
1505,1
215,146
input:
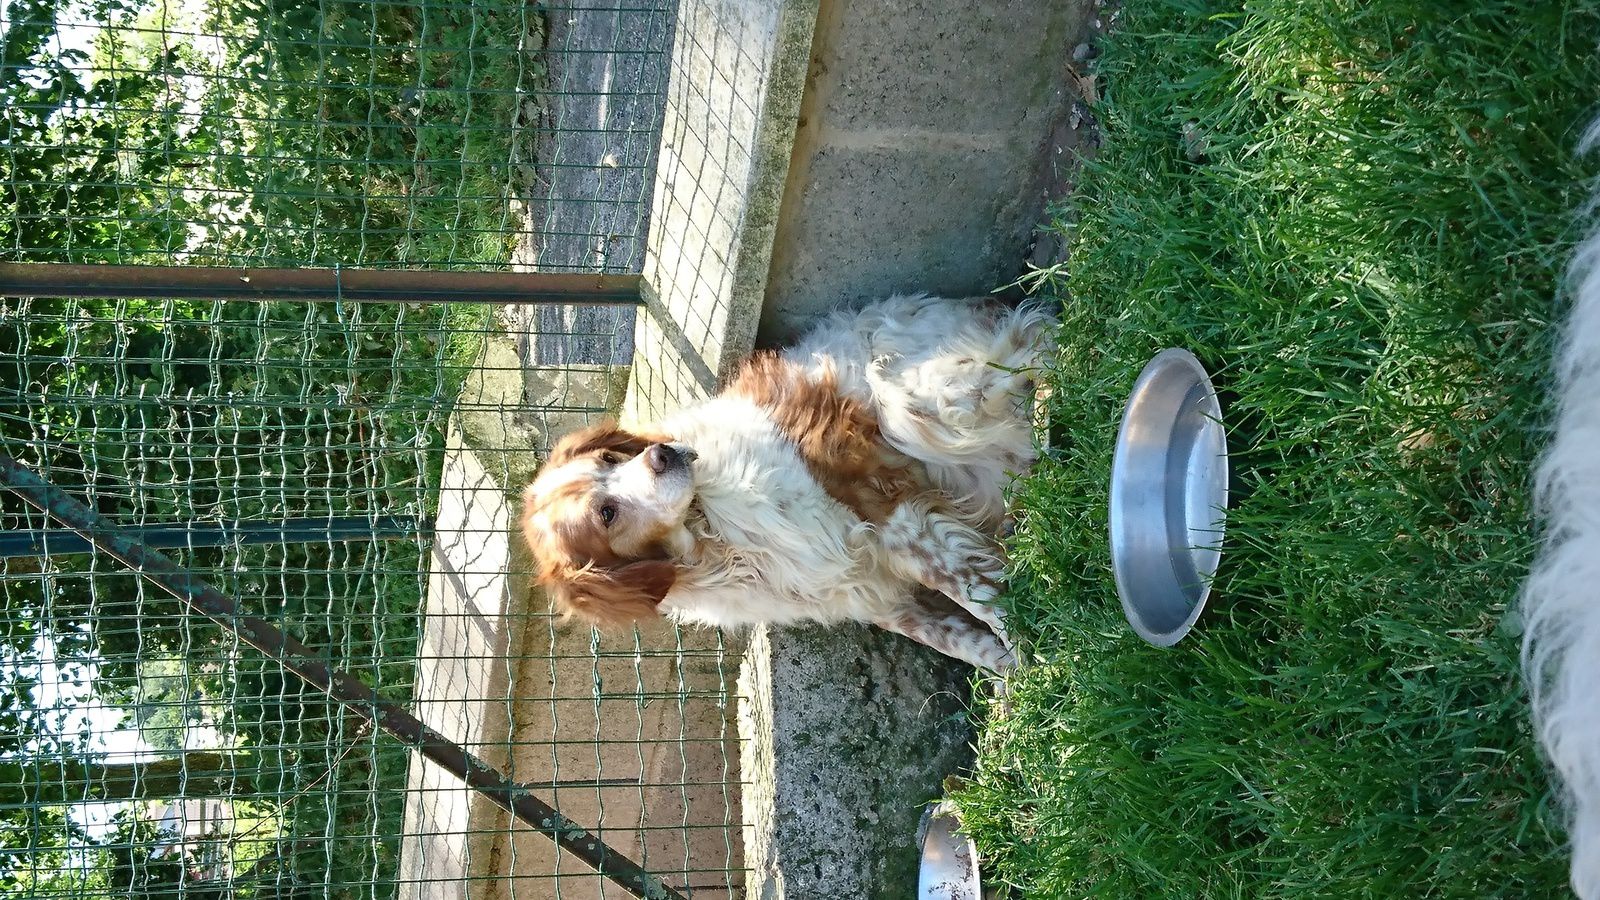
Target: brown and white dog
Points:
x,y
842,479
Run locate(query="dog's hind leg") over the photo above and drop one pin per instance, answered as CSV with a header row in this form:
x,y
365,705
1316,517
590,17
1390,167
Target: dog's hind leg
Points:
x,y
933,548
952,633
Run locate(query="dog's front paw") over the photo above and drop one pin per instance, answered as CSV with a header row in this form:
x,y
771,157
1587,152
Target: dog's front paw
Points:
x,y
985,588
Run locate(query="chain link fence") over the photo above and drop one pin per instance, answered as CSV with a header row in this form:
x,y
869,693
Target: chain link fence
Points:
x,y
338,468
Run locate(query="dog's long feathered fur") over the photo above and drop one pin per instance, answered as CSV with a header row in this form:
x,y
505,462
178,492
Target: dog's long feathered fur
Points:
x,y
1561,601
843,479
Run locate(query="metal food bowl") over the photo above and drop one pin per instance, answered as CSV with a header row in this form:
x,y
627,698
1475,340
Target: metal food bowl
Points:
x,y
949,858
1169,497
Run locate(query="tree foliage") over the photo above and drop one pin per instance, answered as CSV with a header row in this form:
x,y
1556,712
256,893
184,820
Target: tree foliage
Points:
x,y
295,132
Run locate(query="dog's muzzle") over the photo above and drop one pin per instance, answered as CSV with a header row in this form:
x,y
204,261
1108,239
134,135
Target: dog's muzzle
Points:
x,y
663,458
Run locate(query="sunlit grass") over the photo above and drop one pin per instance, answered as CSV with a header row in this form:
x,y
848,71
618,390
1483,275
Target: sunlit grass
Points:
x,y
1366,256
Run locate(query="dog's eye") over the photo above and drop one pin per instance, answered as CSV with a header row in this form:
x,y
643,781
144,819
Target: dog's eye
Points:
x,y
610,459
608,513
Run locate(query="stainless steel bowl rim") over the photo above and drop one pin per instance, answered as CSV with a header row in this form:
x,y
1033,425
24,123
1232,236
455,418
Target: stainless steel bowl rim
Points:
x,y
1170,370
948,869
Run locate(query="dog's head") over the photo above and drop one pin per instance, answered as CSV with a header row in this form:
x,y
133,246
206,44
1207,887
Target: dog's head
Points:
x,y
605,519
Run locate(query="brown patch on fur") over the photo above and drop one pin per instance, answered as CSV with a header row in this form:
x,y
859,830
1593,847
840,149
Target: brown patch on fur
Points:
x,y
600,437
581,574
837,436
613,597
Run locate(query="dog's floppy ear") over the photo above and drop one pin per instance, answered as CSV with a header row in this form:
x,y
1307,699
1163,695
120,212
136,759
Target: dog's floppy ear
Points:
x,y
610,597
605,435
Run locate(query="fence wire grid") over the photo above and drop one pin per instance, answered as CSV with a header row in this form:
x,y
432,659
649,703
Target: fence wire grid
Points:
x,y
310,459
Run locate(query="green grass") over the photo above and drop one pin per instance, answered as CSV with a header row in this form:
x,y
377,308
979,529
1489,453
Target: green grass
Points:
x,y
1367,259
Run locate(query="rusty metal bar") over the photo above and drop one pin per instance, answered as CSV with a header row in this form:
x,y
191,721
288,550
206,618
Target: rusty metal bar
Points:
x,y
356,696
326,285
189,535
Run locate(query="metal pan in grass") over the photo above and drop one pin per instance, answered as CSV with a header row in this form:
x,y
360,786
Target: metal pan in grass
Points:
x,y
1169,497
949,869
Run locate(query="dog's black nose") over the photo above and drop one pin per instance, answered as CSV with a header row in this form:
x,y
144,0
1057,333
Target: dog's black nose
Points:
x,y
662,458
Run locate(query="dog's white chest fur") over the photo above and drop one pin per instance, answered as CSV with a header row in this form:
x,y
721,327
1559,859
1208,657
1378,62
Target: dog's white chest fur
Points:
x,y
772,545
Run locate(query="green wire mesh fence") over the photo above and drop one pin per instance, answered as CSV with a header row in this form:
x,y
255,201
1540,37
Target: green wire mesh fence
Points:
x,y
341,469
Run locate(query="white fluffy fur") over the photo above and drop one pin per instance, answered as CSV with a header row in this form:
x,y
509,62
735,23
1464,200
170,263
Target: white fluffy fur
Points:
x,y
767,535
947,380
1561,601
